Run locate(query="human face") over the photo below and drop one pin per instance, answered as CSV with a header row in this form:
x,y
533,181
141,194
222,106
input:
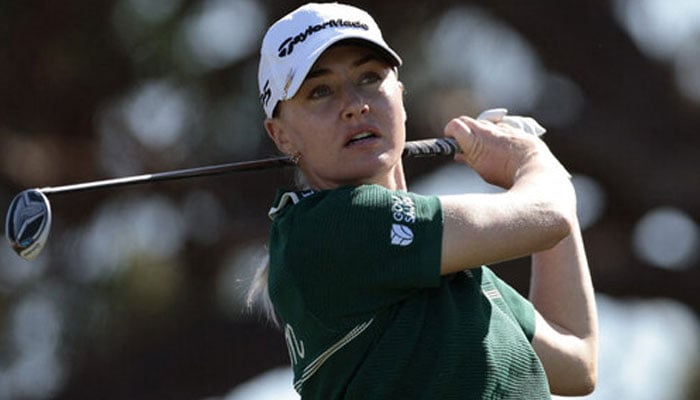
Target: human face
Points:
x,y
347,121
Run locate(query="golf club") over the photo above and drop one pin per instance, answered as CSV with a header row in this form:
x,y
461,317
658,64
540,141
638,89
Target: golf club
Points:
x,y
28,218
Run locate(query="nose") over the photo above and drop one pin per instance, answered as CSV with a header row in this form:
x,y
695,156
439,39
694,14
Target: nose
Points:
x,y
354,104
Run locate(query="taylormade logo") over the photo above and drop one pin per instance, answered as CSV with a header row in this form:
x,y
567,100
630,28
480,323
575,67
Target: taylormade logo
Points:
x,y
266,94
287,46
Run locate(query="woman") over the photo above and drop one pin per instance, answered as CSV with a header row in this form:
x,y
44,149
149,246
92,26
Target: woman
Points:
x,y
381,292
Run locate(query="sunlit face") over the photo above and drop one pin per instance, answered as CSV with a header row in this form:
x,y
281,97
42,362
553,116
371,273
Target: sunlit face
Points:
x,y
347,121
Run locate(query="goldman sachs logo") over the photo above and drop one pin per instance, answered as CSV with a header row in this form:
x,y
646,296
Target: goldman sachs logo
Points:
x,y
287,46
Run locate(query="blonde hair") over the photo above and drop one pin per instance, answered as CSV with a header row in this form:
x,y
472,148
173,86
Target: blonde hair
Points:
x,y
258,295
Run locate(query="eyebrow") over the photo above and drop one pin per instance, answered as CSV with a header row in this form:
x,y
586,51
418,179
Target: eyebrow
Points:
x,y
315,73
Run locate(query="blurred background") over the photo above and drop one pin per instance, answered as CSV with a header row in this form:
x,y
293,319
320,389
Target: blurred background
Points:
x,y
140,292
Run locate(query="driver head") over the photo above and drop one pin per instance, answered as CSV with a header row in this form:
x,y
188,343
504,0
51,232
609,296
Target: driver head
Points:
x,y
28,222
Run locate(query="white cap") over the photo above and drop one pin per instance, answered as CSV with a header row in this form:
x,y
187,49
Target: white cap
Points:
x,y
293,44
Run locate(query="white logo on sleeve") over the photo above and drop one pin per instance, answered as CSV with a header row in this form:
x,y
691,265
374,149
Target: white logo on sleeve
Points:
x,y
403,210
401,235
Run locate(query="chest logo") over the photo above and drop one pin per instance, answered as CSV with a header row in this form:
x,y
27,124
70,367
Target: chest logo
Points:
x,y
294,346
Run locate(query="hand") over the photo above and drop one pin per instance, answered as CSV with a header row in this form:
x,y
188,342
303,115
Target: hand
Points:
x,y
496,151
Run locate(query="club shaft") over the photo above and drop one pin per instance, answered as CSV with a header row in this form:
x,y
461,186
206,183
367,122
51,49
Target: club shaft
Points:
x,y
417,148
255,165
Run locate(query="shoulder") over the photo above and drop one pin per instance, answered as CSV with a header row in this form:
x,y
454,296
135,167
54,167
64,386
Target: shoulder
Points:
x,y
285,199
363,196
344,220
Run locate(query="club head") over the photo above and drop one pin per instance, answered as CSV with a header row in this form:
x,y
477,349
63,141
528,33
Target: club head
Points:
x,y
28,223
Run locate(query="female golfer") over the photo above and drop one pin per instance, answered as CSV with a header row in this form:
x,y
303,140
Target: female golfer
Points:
x,y
383,293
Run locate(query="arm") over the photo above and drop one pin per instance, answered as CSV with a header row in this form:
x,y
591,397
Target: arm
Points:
x,y
536,214
533,214
566,334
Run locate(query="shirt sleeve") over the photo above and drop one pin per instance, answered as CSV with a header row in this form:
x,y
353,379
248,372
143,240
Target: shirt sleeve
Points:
x,y
356,249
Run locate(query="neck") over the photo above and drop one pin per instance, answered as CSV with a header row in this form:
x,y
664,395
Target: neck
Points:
x,y
396,180
392,180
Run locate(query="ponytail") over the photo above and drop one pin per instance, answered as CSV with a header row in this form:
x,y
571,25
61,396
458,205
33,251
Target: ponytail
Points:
x,y
258,295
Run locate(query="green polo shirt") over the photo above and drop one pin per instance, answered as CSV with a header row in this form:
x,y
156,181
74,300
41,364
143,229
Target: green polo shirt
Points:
x,y
355,279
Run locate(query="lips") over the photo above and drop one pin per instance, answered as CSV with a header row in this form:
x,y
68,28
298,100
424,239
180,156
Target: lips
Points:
x,y
361,137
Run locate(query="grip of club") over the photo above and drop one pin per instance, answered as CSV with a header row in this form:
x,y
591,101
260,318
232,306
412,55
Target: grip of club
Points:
x,y
431,147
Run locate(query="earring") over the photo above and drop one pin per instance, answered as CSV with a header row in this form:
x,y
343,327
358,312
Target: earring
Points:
x,y
295,158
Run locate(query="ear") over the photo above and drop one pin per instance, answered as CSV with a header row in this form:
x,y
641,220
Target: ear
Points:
x,y
276,132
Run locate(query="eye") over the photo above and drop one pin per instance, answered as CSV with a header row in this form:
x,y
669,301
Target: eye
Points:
x,y
370,77
319,91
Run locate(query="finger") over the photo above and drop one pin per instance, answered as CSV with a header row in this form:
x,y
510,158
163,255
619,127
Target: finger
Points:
x,y
462,129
